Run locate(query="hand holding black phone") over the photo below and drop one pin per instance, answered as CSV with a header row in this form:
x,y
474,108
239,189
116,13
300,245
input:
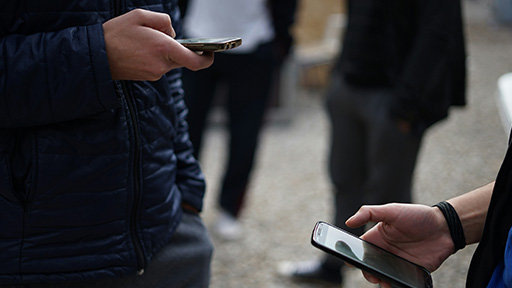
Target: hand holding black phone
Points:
x,y
369,257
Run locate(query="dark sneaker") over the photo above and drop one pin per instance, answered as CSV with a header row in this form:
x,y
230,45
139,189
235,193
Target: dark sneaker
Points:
x,y
310,271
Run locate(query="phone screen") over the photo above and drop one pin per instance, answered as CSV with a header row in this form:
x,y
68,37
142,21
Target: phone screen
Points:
x,y
369,257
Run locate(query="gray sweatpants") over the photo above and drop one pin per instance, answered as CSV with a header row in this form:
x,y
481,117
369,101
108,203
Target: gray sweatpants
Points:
x,y
371,161
183,263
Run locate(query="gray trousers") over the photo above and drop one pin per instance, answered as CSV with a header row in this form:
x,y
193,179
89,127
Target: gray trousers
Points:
x,y
371,161
184,262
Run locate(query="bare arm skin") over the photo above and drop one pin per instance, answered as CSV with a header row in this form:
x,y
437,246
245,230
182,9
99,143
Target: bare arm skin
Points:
x,y
472,209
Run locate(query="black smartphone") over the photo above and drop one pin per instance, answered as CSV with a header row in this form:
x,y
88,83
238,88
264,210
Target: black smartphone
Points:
x,y
211,44
369,257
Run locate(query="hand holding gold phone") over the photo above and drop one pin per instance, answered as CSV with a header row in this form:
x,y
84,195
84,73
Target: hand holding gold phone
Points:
x,y
211,44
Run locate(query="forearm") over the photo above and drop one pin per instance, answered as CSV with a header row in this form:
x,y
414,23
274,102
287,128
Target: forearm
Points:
x,y
472,210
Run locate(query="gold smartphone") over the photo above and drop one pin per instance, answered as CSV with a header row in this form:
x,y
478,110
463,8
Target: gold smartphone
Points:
x,y
211,44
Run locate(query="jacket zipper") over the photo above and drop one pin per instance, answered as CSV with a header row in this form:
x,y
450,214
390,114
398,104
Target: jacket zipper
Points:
x,y
137,244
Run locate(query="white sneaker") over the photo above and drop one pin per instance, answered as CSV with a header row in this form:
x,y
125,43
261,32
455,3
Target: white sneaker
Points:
x,y
227,227
309,271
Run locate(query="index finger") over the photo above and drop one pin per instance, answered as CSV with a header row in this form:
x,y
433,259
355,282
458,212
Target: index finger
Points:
x,y
156,20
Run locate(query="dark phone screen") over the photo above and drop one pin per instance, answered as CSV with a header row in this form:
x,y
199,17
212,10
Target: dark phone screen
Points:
x,y
368,255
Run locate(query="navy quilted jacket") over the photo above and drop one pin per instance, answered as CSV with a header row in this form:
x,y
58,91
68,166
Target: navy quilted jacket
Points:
x,y
92,171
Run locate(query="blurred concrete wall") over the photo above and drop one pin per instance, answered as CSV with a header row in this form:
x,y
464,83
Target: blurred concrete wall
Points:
x,y
311,19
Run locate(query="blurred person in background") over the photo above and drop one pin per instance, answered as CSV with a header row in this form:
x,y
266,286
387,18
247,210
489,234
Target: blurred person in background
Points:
x,y
98,184
401,67
247,76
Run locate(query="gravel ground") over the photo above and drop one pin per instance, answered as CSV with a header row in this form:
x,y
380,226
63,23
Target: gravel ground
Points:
x,y
290,190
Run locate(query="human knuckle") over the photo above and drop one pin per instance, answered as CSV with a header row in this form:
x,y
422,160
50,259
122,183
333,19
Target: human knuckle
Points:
x,y
138,12
168,18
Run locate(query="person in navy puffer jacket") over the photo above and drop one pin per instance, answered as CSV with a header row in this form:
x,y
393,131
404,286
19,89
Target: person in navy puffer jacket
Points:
x,y
98,185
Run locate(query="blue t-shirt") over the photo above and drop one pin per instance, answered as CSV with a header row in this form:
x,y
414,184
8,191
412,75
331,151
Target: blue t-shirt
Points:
x,y
502,276
488,267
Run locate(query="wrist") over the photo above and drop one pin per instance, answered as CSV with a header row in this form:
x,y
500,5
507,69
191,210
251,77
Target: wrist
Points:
x,y
454,225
